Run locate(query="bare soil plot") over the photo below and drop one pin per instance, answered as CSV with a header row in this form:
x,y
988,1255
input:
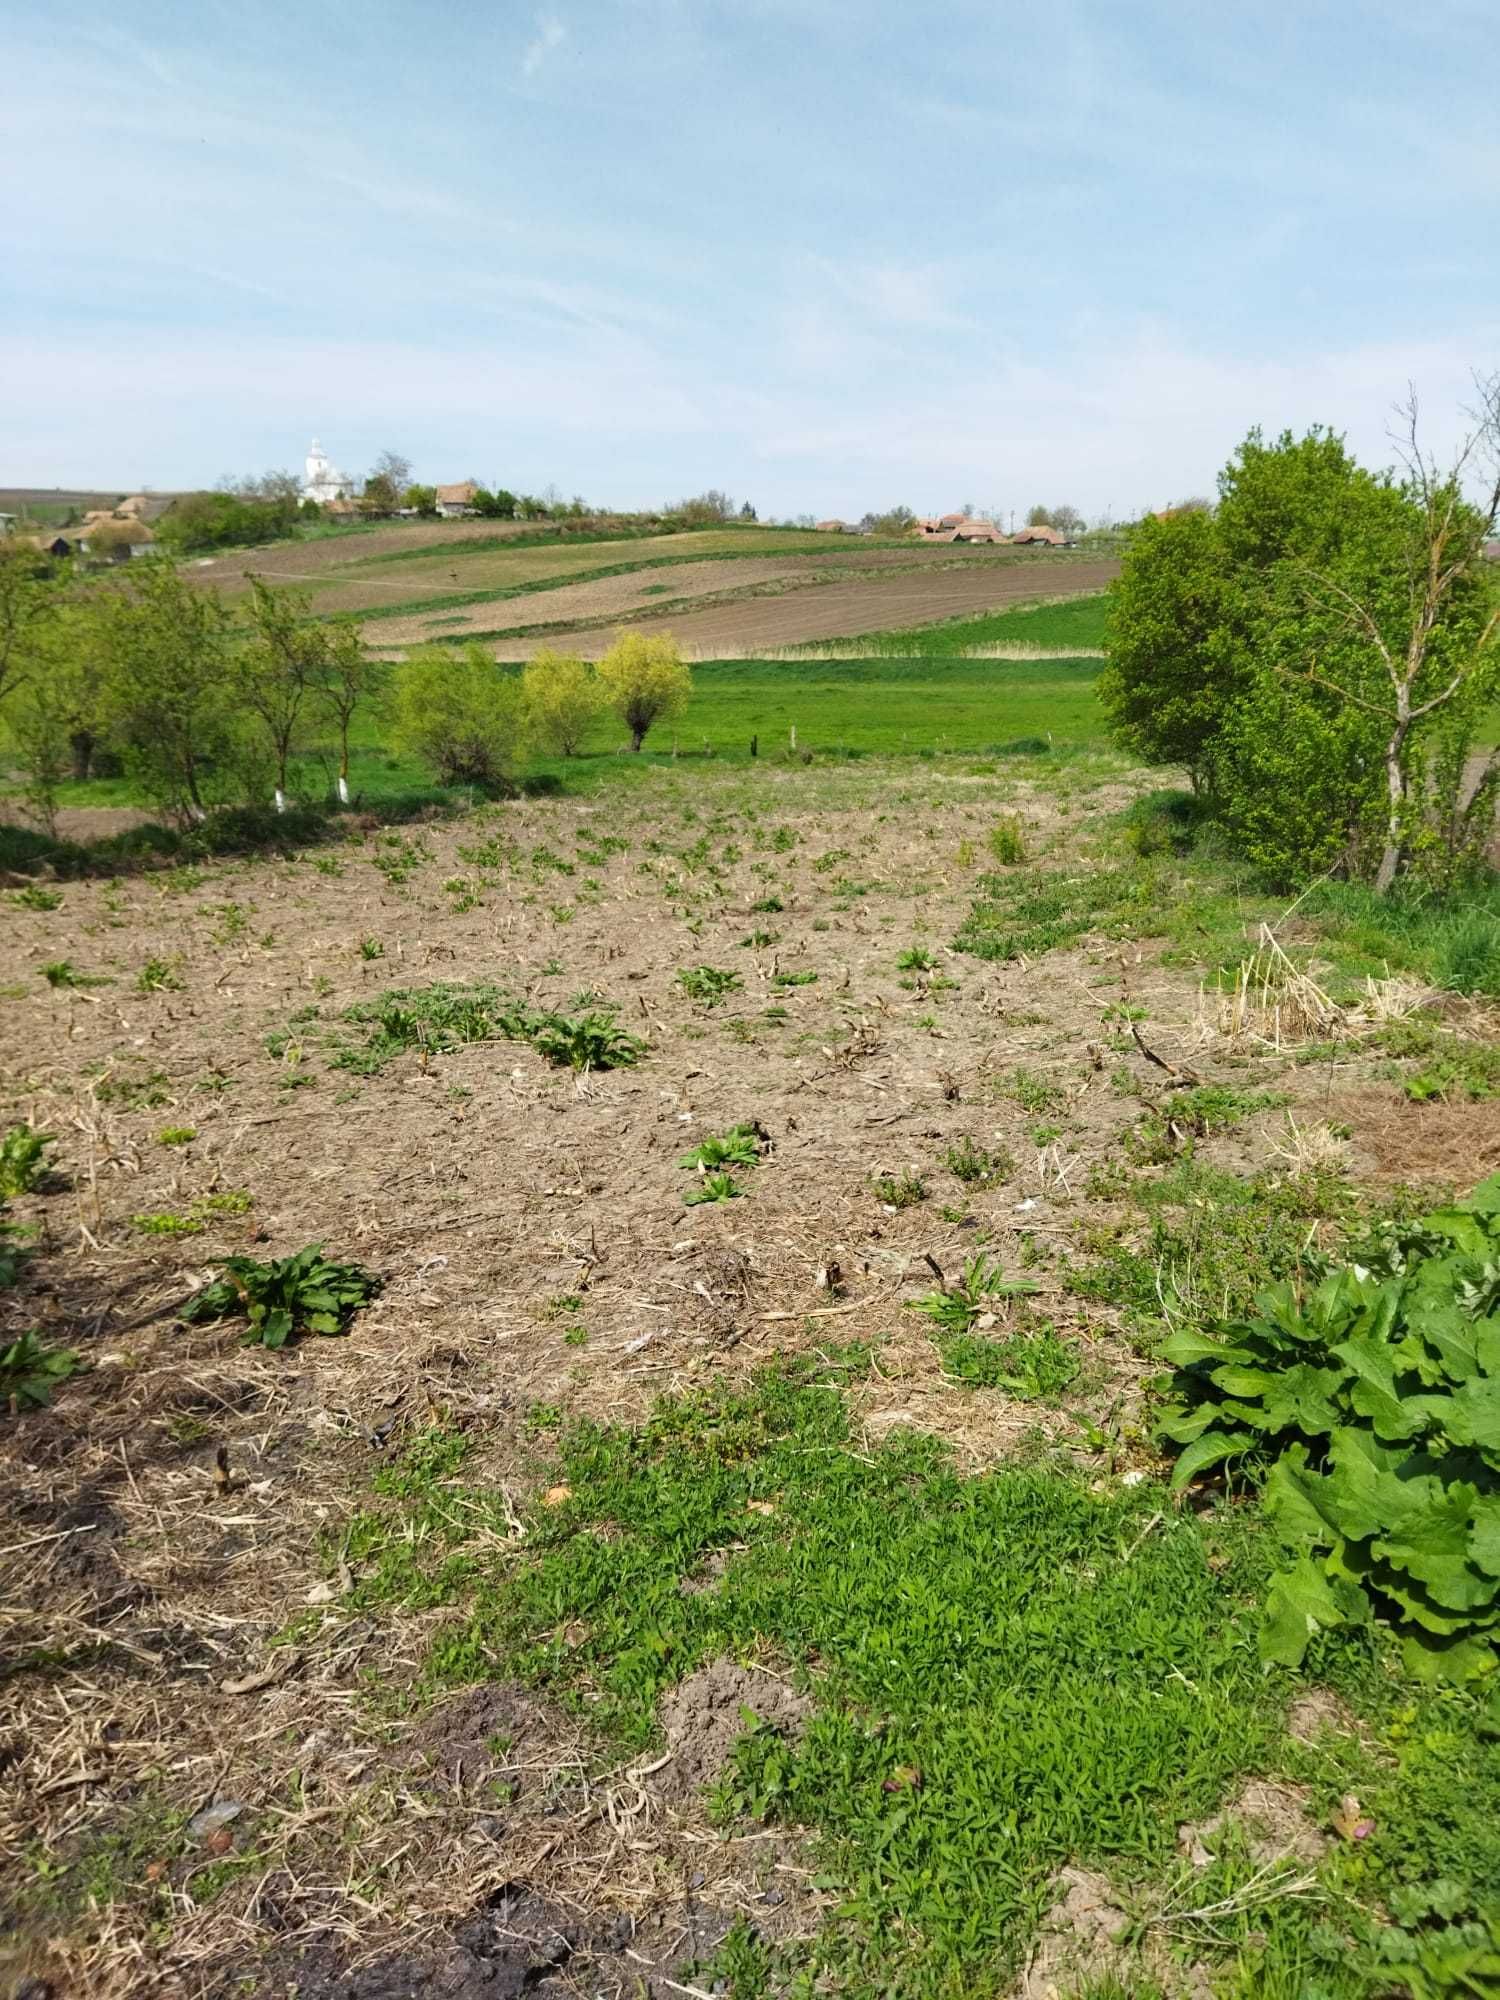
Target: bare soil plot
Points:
x,y
839,609
173,1520
612,597
308,562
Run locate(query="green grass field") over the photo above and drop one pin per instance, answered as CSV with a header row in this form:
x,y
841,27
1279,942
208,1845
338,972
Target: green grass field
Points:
x,y
1074,621
889,707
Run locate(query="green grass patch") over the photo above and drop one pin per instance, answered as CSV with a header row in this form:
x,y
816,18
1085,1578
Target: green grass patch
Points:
x,y
1006,1672
1074,621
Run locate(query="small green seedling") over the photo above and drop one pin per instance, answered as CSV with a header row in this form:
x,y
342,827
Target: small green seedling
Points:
x,y
978,1166
740,1146
22,1161
954,1308
289,1296
371,948
707,983
30,1371
903,1190
714,1187
157,975
917,959
35,897
177,1135
795,979
1008,841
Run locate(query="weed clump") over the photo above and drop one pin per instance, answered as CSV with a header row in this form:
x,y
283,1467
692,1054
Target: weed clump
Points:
x,y
1369,1406
439,1018
708,984
23,1164
287,1297
30,1370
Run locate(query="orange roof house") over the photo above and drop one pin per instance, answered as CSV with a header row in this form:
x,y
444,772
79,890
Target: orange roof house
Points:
x,y
454,501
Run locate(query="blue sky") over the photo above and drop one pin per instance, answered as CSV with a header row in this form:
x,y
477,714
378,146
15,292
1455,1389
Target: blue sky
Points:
x,y
826,255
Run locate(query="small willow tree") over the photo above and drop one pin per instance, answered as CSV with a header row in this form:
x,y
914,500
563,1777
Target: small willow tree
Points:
x,y
646,681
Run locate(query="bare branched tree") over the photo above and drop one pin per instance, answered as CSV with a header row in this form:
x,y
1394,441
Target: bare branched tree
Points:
x,y
395,469
1445,552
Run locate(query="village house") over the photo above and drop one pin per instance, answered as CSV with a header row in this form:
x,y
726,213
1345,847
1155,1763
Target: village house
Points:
x,y
454,502
1039,537
114,537
959,528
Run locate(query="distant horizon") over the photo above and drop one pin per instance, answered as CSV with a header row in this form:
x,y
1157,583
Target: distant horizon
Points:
x,y
635,249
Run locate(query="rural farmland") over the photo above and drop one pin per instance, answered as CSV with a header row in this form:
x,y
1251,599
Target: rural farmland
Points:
x,y
767,587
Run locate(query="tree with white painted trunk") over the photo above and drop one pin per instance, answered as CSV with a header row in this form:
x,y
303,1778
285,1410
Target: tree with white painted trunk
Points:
x,y
280,670
350,680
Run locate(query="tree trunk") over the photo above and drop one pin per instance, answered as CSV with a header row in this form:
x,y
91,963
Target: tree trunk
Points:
x,y
1395,785
637,738
81,743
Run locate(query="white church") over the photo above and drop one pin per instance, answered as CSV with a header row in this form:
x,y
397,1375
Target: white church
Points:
x,y
322,481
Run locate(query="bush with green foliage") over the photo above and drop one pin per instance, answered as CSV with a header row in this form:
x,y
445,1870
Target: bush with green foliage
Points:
x,y
645,681
286,1297
563,698
197,521
462,715
1370,1404
1250,646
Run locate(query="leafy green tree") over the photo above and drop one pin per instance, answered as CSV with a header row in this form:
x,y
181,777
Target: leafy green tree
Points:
x,y
461,715
1168,679
280,670
381,495
645,681
422,498
31,590
1039,517
51,717
200,521
1315,652
169,689
350,678
563,699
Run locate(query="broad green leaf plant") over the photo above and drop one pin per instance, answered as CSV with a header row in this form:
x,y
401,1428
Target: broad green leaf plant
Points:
x,y
1371,1407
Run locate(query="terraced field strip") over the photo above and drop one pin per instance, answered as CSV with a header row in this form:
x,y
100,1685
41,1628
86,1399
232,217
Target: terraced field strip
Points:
x,y
605,595
840,609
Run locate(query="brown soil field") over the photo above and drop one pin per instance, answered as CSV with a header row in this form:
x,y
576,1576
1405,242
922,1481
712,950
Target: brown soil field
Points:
x,y
620,596
833,610
174,1604
308,562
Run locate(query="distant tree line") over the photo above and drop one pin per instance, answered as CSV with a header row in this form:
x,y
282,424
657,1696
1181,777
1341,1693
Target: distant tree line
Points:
x,y
206,705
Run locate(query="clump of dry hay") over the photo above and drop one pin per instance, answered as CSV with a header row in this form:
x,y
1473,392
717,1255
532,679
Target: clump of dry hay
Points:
x,y
1273,1001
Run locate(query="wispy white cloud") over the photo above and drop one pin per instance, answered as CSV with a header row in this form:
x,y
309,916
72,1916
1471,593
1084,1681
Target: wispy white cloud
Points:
x,y
550,34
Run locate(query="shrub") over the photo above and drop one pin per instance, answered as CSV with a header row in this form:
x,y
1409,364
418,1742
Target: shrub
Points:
x,y
461,715
645,681
1008,841
304,1293
1371,1406
562,698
